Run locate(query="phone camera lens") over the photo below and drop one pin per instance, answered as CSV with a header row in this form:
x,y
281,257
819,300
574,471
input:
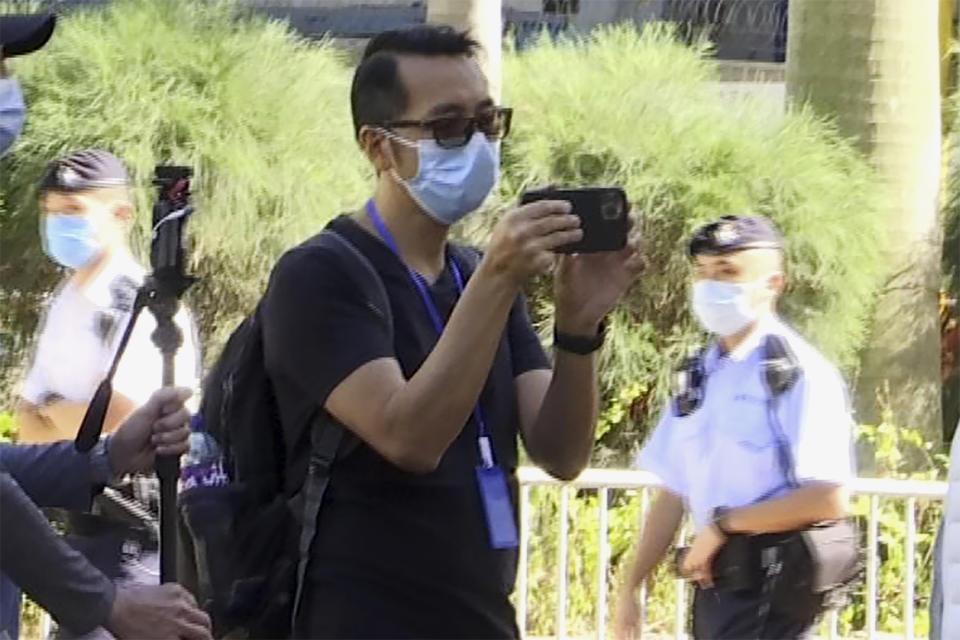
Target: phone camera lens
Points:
x,y
610,208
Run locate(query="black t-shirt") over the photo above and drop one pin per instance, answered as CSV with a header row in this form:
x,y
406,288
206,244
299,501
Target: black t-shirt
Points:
x,y
396,554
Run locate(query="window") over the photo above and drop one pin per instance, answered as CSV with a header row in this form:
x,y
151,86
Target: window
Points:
x,y
562,7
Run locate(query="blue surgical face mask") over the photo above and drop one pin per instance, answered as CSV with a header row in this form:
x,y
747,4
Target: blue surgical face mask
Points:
x,y
70,240
725,308
13,113
450,183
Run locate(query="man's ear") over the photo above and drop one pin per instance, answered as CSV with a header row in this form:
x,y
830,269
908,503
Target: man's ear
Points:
x,y
122,211
778,282
377,148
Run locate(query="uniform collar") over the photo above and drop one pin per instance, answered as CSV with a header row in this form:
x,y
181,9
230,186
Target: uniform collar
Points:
x,y
770,323
100,290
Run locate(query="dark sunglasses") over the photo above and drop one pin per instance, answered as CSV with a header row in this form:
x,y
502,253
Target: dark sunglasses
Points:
x,y
455,131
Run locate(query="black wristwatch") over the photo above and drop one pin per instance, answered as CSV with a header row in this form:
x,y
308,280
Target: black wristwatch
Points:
x,y
719,519
580,345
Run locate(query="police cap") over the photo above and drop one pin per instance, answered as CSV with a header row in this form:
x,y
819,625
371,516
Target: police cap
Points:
x,y
25,33
735,233
83,170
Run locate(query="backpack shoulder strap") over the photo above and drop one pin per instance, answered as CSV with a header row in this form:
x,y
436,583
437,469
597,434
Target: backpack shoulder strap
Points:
x,y
691,383
368,279
326,435
781,371
325,439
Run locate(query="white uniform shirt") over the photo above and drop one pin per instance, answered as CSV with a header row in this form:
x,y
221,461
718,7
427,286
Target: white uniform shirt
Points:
x,y
725,454
12,112
950,548
81,332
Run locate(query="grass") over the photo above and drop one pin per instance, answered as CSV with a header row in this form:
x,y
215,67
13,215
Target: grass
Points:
x,y
263,118
639,109
261,115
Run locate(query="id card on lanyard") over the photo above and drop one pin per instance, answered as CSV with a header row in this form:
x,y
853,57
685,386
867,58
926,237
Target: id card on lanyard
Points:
x,y
491,481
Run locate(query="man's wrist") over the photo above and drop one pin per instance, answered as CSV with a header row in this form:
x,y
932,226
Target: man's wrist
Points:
x,y
576,322
631,584
497,278
578,327
721,521
103,470
581,342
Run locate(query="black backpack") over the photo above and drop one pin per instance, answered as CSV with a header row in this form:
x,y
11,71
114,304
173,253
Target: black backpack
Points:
x,y
243,552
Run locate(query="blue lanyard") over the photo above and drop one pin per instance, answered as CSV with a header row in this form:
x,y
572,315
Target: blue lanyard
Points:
x,y
484,441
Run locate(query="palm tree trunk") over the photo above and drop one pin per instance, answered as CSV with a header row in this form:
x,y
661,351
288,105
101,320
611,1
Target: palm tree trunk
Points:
x,y
874,66
483,19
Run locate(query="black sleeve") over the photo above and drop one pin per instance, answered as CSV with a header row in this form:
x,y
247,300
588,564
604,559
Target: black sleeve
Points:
x,y
53,574
318,326
526,352
52,475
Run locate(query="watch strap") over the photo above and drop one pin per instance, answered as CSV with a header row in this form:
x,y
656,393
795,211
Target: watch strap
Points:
x,y
580,345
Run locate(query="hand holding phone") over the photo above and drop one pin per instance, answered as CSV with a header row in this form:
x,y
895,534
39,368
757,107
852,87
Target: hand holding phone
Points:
x,y
525,240
602,212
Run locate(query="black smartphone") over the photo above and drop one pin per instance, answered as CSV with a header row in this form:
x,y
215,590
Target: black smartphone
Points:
x,y
602,212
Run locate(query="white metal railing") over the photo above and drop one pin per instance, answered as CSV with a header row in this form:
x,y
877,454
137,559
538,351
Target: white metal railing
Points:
x,y
603,480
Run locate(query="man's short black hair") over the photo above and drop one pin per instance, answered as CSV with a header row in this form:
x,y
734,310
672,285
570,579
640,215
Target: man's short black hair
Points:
x,y
378,94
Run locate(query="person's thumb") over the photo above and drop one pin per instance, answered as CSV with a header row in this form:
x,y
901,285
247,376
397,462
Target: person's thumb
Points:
x,y
169,399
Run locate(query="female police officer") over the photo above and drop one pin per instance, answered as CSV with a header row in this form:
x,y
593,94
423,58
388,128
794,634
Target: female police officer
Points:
x,y
716,448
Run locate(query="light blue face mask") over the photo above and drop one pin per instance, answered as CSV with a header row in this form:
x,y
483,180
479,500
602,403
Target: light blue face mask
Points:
x,y
450,183
13,113
70,240
724,308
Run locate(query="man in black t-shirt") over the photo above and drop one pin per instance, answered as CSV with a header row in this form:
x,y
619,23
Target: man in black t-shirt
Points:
x,y
417,534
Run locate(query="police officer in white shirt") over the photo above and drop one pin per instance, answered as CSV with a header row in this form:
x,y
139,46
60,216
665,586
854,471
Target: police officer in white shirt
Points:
x,y
716,446
86,211
13,111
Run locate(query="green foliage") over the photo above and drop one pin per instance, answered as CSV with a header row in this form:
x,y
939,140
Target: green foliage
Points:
x,y
20,6
262,116
640,110
889,451
624,516
897,452
31,627
8,428
951,239
951,204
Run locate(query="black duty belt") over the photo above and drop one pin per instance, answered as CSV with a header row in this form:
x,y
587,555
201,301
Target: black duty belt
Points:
x,y
743,561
